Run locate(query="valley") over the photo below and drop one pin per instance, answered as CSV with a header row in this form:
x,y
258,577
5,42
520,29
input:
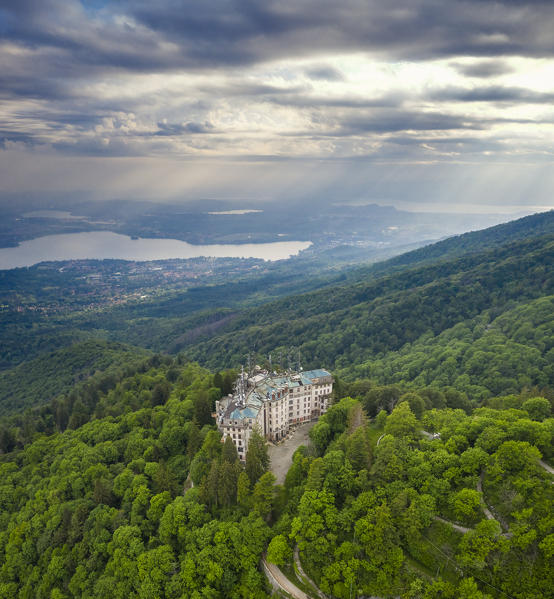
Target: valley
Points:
x,y
428,477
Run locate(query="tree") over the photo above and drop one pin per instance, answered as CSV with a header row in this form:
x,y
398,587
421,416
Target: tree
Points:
x,y
467,589
262,496
466,504
244,498
417,405
514,456
378,537
380,419
202,408
316,475
388,464
401,422
227,490
358,450
538,408
320,436
160,393
154,568
257,457
229,453
279,551
194,440
477,544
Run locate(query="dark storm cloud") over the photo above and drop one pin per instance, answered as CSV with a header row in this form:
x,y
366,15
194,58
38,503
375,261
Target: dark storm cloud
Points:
x,y
14,136
245,31
325,73
510,95
393,121
169,34
95,147
250,89
171,129
311,101
68,71
484,68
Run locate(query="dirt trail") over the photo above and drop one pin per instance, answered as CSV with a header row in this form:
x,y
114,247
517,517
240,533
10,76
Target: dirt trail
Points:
x,y
454,526
275,575
304,575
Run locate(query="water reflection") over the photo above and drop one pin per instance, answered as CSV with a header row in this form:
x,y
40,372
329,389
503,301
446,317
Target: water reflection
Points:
x,y
100,245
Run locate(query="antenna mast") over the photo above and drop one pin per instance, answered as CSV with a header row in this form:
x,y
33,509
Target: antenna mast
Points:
x,y
241,388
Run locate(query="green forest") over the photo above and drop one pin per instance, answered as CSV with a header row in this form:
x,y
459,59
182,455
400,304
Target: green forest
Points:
x,y
132,494
429,477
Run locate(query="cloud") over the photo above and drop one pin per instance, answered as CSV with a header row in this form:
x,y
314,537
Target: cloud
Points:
x,y
324,72
484,68
493,93
171,129
277,81
143,35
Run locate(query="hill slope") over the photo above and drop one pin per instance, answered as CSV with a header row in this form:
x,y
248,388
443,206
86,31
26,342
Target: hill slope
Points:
x,y
345,325
41,379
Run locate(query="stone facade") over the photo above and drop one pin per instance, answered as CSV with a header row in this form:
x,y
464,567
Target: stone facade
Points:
x,y
273,403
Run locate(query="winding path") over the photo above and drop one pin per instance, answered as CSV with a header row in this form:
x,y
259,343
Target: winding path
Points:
x,y
277,578
484,506
303,574
454,525
488,513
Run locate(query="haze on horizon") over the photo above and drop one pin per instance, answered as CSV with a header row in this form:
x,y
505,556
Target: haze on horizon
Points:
x,y
427,105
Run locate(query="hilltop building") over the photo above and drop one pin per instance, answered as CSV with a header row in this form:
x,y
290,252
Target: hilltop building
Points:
x,y
273,403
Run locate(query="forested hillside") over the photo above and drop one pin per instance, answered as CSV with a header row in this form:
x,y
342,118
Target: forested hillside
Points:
x,y
430,477
39,380
412,516
134,495
480,357
98,510
359,314
365,322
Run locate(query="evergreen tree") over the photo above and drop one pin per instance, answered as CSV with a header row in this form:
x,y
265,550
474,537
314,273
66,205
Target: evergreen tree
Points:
x,y
227,489
257,457
243,491
229,453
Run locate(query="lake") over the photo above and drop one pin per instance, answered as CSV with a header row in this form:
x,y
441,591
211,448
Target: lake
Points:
x,y
101,245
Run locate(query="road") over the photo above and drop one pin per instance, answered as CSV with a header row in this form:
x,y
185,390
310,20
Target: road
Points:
x,y
304,575
281,454
282,581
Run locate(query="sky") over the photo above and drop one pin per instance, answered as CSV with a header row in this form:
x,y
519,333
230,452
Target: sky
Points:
x,y
421,104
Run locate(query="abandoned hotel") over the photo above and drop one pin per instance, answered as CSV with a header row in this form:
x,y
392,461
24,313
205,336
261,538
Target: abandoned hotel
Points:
x,y
272,403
